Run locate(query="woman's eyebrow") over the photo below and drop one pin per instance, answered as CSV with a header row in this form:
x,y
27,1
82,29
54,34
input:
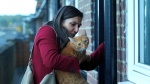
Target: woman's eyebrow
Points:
x,y
76,23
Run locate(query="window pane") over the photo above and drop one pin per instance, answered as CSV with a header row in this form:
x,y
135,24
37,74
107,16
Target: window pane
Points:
x,y
144,32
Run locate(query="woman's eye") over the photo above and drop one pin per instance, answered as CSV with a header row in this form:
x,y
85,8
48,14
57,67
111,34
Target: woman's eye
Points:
x,y
79,25
73,24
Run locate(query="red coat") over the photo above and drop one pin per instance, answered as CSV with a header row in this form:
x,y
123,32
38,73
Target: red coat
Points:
x,y
46,56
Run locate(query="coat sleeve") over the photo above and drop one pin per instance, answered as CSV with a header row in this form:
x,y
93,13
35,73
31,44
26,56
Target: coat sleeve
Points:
x,y
97,57
48,46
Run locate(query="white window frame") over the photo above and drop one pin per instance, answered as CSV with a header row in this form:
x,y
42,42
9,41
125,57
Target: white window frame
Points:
x,y
136,72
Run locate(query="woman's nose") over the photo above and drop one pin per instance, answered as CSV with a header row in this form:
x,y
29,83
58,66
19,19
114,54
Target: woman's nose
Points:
x,y
76,28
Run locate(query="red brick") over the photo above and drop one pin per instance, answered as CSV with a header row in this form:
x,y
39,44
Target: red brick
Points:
x,y
119,66
118,42
122,19
118,55
123,56
118,19
118,7
118,31
123,43
118,77
123,31
122,5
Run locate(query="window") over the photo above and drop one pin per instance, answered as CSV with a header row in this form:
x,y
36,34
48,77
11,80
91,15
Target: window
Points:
x,y
138,41
144,35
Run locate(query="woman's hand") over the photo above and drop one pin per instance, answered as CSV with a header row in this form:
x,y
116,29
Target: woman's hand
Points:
x,y
84,57
97,58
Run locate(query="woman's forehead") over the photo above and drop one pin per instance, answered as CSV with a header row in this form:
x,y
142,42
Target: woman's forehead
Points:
x,y
75,19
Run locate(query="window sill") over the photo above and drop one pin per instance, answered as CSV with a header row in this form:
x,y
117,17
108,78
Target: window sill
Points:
x,y
126,82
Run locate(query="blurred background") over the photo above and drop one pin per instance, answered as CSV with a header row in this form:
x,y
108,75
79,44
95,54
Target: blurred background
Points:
x,y
16,38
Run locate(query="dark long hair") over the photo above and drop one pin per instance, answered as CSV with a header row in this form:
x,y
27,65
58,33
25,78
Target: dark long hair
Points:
x,y
63,13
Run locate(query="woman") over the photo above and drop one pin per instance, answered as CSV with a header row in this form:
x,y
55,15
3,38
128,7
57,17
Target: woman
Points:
x,y
50,40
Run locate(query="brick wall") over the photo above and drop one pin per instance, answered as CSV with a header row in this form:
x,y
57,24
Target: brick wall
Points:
x,y
87,7
121,41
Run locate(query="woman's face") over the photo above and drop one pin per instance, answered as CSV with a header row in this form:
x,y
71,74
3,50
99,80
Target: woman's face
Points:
x,y
72,25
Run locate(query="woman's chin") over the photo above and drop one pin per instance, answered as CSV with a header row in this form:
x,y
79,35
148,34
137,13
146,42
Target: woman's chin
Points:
x,y
71,35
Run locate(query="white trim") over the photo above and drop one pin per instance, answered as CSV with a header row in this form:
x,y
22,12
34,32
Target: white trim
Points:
x,y
136,31
130,38
136,72
141,68
126,82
